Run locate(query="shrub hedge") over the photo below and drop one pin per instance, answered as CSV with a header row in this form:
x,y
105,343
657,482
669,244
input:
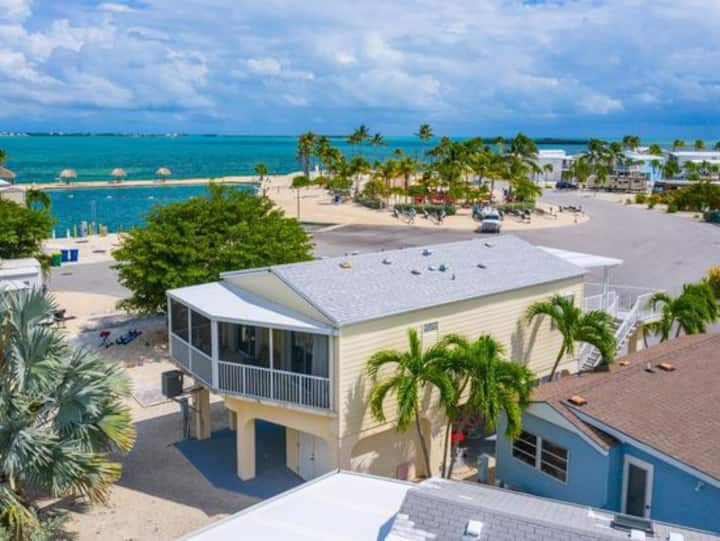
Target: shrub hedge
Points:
x,y
450,210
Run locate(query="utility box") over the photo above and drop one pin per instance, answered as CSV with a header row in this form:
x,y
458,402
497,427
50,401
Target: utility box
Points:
x,y
172,383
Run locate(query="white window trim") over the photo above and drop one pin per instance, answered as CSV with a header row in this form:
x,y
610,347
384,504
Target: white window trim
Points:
x,y
650,469
538,458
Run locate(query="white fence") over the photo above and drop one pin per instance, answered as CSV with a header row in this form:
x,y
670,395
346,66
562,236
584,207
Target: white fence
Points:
x,y
259,382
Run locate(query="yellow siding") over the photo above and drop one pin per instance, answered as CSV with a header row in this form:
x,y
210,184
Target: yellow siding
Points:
x,y
502,316
270,287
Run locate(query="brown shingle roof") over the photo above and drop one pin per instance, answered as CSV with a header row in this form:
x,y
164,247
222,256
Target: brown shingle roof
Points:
x,y
676,412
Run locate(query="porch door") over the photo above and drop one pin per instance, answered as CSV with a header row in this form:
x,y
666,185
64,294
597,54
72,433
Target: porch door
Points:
x,y
637,487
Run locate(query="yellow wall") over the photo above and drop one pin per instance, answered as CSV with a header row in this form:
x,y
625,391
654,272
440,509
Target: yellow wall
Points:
x,y
502,316
292,445
270,287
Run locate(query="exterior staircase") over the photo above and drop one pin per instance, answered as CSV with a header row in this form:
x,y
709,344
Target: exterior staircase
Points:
x,y
630,310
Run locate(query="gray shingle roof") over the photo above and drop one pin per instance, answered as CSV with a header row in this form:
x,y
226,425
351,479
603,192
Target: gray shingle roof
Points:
x,y
397,281
442,509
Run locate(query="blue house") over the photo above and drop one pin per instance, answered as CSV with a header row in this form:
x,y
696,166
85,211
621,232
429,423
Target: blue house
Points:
x,y
641,439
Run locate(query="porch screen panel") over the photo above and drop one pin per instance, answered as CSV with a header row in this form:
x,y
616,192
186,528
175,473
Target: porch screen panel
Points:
x,y
201,333
179,319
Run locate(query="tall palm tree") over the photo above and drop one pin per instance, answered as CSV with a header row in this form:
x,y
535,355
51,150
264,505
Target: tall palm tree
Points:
x,y
425,134
678,144
62,414
716,146
699,144
655,150
406,167
37,199
415,373
690,312
305,150
377,141
631,141
261,170
594,327
492,383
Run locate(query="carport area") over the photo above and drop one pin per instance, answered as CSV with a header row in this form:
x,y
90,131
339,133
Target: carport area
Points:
x,y
215,459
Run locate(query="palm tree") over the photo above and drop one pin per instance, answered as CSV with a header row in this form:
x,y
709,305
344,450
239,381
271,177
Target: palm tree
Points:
x,y
299,182
716,146
678,144
37,199
493,385
377,141
261,170
699,144
424,133
655,150
416,372
62,414
691,311
594,327
631,141
406,167
305,150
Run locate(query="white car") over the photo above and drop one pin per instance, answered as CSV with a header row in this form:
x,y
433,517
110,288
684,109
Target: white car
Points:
x,y
491,223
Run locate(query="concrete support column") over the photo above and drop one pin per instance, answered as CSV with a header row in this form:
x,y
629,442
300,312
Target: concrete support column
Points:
x,y
231,419
245,435
201,404
635,342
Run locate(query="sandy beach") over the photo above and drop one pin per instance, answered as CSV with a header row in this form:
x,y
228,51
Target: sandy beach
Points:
x,y
135,183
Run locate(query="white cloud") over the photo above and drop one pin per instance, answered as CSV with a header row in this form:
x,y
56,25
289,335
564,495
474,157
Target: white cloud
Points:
x,y
264,66
113,7
15,10
598,104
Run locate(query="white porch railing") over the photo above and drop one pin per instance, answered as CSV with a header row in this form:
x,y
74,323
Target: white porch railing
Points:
x,y
259,382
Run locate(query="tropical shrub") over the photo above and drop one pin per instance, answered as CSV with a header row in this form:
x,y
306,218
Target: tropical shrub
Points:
x,y
450,210
698,196
672,207
62,415
690,312
652,201
516,207
192,242
22,230
712,216
712,277
640,198
368,202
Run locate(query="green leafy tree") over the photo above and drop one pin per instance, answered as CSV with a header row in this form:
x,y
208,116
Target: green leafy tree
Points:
x,y
192,242
62,414
261,170
22,230
298,183
490,384
594,327
415,373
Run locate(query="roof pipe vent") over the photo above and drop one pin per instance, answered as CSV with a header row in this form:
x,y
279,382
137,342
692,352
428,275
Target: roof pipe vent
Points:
x,y
345,265
427,252
443,267
489,245
481,266
473,529
432,268
387,261
577,400
416,272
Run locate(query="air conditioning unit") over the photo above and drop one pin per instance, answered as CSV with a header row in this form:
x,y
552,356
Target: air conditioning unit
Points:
x,y
172,383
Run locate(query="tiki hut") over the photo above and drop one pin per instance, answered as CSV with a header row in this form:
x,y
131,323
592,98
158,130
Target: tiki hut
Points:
x,y
163,172
68,174
6,174
118,173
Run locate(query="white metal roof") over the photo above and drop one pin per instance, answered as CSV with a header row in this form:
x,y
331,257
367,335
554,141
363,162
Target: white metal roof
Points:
x,y
12,285
586,261
340,505
220,300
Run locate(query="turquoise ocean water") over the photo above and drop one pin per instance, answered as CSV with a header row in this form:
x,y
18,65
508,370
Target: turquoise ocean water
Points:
x,y
41,158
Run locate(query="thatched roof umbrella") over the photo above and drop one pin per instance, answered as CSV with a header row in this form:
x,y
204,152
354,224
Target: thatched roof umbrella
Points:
x,y
118,173
67,174
6,174
4,184
163,172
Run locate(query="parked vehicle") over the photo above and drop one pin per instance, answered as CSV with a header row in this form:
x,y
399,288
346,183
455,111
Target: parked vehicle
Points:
x,y
565,185
491,223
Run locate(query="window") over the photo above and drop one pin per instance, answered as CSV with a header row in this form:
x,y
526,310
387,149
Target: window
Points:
x,y
525,448
541,454
244,344
201,335
179,319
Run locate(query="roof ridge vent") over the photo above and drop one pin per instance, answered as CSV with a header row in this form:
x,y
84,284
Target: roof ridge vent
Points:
x,y
427,251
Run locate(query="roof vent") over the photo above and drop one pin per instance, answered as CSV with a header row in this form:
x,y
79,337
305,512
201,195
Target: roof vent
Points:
x,y
637,534
443,267
354,252
481,266
473,529
426,252
577,400
674,536
624,363
416,272
345,265
649,368
667,367
432,268
387,261
489,245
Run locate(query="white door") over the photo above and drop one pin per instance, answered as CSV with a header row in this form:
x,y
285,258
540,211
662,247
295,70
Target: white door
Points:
x,y
637,487
313,456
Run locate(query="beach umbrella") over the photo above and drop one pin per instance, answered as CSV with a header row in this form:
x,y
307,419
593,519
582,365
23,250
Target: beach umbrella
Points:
x,y
118,173
6,174
4,184
163,172
67,174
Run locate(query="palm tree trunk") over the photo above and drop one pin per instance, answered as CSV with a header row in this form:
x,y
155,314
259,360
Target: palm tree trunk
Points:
x,y
557,362
423,445
445,448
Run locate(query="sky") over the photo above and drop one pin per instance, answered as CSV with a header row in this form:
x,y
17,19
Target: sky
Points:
x,y
573,68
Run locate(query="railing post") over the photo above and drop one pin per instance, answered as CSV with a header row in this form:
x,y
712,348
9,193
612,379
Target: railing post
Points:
x,y
331,373
215,350
272,365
